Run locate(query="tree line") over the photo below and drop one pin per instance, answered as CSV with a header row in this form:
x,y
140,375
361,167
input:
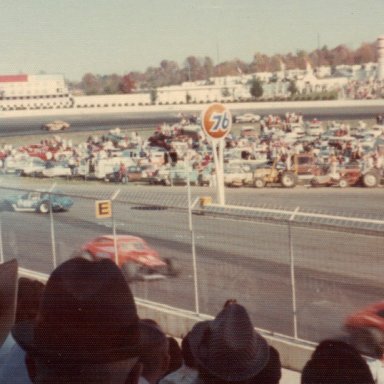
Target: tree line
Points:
x,y
193,69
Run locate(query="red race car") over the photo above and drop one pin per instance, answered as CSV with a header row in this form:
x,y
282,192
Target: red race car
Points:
x,y
366,329
136,258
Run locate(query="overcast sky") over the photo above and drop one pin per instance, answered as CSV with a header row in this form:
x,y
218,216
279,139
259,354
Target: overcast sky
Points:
x,y
74,37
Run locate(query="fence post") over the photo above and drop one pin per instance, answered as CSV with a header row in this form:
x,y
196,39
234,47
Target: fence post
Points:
x,y
53,237
113,197
292,265
194,263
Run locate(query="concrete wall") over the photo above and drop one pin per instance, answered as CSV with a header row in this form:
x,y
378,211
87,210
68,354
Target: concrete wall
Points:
x,y
177,322
256,107
293,353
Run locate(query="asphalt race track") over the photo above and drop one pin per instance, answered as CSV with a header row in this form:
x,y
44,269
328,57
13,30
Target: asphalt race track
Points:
x,y
10,126
336,272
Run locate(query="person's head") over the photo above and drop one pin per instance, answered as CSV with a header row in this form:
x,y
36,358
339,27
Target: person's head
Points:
x,y
154,355
87,328
228,349
29,294
189,359
336,362
270,374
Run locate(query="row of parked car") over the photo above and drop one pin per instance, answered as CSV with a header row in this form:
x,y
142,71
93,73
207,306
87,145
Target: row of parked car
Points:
x,y
306,170
256,156
288,154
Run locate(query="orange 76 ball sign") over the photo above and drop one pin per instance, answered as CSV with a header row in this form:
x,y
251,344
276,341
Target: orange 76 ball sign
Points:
x,y
216,121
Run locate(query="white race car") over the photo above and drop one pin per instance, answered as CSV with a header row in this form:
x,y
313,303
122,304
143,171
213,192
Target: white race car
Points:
x,y
56,125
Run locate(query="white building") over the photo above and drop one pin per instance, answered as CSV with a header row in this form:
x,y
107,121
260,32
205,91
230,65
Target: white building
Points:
x,y
33,92
380,58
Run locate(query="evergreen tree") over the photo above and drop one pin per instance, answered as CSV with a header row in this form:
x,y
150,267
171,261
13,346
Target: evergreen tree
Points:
x,y
256,88
292,88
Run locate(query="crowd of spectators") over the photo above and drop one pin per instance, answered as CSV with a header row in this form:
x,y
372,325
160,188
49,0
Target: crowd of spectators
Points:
x,y
82,326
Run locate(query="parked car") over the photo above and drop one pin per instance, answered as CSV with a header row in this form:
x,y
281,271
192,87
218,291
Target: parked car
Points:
x,y
56,125
41,151
33,168
176,174
315,129
376,131
249,131
13,163
56,169
236,175
247,118
98,169
38,201
137,259
148,171
366,329
132,173
349,175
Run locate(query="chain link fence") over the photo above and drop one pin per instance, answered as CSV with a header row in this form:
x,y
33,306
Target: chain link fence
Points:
x,y
299,273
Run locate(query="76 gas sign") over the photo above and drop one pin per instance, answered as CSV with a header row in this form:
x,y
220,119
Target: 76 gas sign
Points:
x,y
216,121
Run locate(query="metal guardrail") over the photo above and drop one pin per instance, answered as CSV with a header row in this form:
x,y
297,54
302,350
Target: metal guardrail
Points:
x,y
296,217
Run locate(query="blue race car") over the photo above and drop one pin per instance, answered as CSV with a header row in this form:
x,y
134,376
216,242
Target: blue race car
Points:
x,y
38,201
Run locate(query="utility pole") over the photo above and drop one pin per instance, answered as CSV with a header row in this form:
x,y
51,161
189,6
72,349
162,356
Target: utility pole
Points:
x,y
318,49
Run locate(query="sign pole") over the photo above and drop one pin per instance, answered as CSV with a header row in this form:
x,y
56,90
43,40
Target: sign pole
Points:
x,y
113,197
216,122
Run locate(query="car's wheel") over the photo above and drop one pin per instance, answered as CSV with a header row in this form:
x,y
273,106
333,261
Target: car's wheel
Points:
x,y
288,180
371,179
44,207
173,269
343,183
315,182
259,182
130,271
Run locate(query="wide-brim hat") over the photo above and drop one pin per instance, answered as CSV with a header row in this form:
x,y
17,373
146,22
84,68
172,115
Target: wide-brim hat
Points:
x,y
8,297
87,315
228,347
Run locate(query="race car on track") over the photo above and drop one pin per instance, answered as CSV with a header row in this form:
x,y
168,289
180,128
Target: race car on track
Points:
x,y
366,329
56,125
37,201
136,258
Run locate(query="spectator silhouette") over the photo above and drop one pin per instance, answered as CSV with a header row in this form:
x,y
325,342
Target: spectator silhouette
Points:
x,y
175,354
28,300
155,358
336,362
187,373
8,297
87,329
229,350
29,294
